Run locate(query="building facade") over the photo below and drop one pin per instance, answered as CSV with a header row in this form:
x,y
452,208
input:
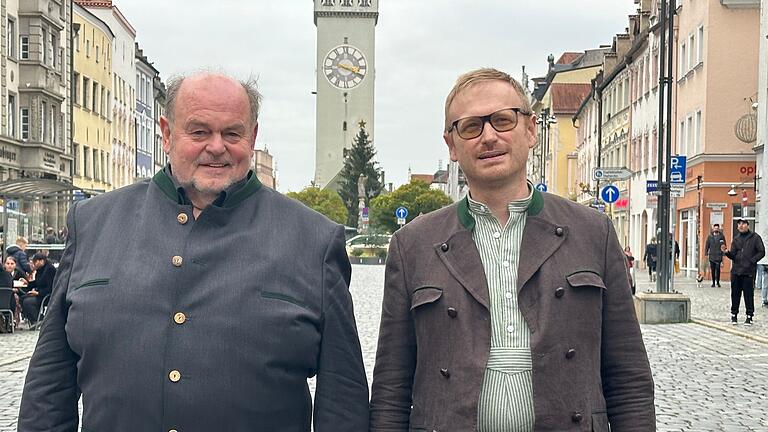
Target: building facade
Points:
x,y
714,119
345,81
123,154
145,115
159,158
264,166
35,120
91,100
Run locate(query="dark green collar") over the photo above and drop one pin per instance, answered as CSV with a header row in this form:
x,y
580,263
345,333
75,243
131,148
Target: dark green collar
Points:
x,y
230,197
537,204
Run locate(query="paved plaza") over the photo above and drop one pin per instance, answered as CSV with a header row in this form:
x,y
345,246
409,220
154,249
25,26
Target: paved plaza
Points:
x,y
710,376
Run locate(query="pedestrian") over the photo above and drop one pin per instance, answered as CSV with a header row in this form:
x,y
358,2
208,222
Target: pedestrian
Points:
x,y
38,288
631,266
199,300
713,251
762,280
511,309
18,252
651,257
746,250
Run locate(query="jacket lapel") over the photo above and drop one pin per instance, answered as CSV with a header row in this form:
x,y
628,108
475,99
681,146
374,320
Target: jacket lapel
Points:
x,y
540,240
461,258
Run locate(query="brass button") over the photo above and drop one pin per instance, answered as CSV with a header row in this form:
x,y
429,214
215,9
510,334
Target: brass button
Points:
x,y
452,312
559,232
444,247
179,318
177,260
174,376
182,218
559,292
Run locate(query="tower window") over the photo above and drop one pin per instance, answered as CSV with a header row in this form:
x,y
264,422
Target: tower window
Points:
x,y
327,2
365,3
344,125
347,3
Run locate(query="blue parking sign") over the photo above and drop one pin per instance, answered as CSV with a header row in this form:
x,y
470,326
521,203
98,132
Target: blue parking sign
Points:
x,y
677,169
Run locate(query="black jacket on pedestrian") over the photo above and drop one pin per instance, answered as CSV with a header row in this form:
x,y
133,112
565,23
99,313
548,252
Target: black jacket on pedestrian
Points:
x,y
22,260
746,250
712,247
43,282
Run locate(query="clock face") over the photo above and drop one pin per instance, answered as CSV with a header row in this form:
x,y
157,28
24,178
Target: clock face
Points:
x,y
345,67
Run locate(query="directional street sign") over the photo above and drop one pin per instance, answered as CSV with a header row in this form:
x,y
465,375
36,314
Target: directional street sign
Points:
x,y
401,221
401,213
541,187
12,205
609,194
611,173
651,186
677,169
717,205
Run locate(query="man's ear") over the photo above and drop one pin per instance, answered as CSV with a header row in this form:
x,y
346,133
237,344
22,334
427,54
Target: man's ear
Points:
x,y
451,146
165,129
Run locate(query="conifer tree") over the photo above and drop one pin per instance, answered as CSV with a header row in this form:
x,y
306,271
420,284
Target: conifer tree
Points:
x,y
359,160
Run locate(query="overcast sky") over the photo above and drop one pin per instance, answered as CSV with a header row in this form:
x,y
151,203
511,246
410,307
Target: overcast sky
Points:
x,y
421,47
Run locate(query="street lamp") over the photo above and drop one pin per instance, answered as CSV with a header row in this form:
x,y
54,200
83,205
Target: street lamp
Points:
x,y
545,119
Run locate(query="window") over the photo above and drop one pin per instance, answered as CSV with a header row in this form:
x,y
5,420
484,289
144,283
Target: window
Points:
x,y
87,48
692,51
10,30
698,132
98,56
52,122
24,124
76,42
681,139
12,115
75,88
86,162
52,50
86,88
683,61
95,97
689,143
25,47
44,128
365,3
95,164
700,46
76,157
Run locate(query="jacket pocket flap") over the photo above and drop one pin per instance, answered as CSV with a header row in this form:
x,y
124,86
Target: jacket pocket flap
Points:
x,y
585,278
92,283
424,295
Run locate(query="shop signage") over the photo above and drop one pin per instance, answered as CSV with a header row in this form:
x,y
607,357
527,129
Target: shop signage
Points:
x,y
49,160
717,206
7,154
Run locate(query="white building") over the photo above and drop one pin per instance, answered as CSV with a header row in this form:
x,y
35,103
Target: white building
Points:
x,y
145,115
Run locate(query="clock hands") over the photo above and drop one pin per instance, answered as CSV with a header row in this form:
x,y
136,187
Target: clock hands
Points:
x,y
353,69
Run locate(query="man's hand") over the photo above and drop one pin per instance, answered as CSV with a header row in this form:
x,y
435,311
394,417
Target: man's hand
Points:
x,y
723,249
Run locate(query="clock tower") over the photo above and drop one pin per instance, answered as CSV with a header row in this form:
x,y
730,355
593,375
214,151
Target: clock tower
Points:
x,y
345,81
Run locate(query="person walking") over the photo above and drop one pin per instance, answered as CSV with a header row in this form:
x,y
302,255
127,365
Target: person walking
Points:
x,y
714,253
650,257
746,250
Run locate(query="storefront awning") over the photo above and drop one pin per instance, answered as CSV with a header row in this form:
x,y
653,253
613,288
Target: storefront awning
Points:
x,y
39,188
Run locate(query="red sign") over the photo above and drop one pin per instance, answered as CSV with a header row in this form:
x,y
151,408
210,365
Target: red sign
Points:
x,y
744,197
622,203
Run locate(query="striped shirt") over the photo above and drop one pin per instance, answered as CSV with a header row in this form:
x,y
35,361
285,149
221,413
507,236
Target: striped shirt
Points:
x,y
506,398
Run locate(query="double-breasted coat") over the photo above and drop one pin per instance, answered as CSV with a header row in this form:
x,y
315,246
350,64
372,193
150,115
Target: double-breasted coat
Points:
x,y
167,323
589,362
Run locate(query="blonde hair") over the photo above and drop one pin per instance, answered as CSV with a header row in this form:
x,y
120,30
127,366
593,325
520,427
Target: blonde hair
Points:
x,y
486,74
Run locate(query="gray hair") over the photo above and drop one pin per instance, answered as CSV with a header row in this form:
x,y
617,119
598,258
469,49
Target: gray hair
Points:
x,y
250,85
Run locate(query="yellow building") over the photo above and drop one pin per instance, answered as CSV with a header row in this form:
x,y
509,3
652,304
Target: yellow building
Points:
x,y
556,98
92,94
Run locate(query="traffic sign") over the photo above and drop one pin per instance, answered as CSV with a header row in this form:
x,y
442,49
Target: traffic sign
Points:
x,y
12,205
609,194
611,173
541,187
401,221
677,169
401,213
677,190
651,186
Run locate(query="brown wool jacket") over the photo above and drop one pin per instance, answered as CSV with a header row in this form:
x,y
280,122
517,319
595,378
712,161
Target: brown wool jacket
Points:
x,y
589,363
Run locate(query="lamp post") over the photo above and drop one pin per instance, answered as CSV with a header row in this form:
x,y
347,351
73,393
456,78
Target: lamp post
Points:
x,y
545,119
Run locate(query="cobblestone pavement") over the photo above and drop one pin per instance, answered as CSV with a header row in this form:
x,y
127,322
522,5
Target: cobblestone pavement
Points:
x,y
713,305
707,380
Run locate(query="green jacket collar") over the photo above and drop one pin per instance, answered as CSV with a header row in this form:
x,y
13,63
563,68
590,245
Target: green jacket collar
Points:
x,y
230,197
466,219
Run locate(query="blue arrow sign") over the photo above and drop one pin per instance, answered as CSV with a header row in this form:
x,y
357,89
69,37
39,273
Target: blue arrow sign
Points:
x,y
609,194
401,212
541,187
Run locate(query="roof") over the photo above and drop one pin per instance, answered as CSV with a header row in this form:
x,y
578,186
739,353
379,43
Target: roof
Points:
x,y
566,98
568,58
423,177
31,188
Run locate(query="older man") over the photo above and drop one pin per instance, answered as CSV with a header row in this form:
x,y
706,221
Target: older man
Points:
x,y
746,250
199,300
510,310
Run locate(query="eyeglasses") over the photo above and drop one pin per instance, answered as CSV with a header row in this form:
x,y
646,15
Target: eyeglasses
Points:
x,y
502,121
